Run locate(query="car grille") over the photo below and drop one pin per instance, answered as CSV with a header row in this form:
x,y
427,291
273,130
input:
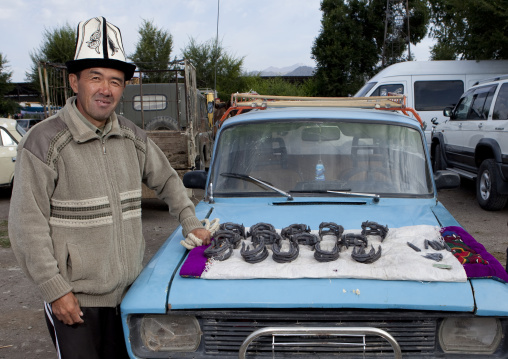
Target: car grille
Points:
x,y
224,332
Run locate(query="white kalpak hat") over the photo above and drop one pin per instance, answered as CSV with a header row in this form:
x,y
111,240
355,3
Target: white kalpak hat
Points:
x,y
99,44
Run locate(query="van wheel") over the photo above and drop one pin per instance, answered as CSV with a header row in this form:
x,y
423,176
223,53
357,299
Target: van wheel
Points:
x,y
162,123
438,161
486,187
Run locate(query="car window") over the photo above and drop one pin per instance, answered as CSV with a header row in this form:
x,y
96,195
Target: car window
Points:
x,y
20,129
388,89
462,109
24,124
6,139
501,107
481,101
436,95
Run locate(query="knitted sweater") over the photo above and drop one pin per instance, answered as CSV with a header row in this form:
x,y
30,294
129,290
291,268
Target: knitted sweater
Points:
x,y
75,211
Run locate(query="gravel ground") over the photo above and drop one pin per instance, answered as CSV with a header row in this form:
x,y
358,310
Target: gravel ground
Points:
x,y
23,332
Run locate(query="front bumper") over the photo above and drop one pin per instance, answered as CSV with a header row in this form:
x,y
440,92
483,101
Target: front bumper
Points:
x,y
227,334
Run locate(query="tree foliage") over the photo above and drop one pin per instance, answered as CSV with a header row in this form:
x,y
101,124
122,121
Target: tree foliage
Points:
x,y
7,106
58,46
469,29
276,86
213,64
153,52
349,48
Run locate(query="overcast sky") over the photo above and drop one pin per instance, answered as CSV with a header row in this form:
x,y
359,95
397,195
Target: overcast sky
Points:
x,y
277,33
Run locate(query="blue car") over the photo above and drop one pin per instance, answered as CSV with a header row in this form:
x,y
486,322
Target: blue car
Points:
x,y
331,243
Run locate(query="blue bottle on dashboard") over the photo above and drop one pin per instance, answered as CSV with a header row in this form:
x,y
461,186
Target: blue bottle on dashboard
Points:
x,y
320,171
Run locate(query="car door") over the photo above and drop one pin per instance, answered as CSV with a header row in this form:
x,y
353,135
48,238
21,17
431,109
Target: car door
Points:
x,y
497,125
7,156
473,128
451,130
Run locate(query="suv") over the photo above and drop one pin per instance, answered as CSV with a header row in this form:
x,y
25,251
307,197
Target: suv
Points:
x,y
474,141
324,216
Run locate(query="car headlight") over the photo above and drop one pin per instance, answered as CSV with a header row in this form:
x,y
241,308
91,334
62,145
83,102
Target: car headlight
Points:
x,y
470,335
170,333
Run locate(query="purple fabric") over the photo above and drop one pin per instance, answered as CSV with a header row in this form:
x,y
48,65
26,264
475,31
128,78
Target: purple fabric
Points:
x,y
195,263
477,270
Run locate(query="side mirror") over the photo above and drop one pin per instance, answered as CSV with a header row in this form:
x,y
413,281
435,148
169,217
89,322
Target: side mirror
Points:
x,y
447,112
446,179
195,179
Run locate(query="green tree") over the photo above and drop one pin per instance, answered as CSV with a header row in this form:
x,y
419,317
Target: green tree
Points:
x,y
275,86
58,46
153,52
214,65
470,29
7,106
349,48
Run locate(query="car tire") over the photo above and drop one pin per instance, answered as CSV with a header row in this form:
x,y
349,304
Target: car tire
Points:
x,y
198,163
438,160
162,123
486,187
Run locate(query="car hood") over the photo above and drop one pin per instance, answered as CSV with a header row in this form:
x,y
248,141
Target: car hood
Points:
x,y
169,290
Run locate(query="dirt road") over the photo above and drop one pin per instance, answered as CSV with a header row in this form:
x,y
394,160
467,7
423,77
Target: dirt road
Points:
x,y
23,332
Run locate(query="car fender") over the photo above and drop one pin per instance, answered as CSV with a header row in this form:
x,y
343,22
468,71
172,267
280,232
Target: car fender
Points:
x,y
438,140
487,144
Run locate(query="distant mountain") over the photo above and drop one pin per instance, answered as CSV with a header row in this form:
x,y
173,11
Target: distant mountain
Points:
x,y
302,71
294,70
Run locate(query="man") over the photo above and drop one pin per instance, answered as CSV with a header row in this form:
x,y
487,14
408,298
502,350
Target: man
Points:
x,y
75,213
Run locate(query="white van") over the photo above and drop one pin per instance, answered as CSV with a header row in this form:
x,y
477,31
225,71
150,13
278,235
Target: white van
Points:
x,y
430,86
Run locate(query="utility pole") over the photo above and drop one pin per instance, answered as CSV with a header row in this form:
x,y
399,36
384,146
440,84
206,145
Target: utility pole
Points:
x,y
396,31
216,47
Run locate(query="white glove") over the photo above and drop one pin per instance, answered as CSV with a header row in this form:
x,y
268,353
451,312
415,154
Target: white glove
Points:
x,y
192,241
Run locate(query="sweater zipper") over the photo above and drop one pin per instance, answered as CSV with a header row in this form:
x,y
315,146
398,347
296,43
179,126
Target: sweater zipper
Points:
x,y
118,227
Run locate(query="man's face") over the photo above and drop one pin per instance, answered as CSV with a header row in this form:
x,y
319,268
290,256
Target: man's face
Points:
x,y
98,92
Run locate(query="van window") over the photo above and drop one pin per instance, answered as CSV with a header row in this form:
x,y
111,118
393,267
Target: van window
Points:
x,y
436,95
501,107
388,89
150,102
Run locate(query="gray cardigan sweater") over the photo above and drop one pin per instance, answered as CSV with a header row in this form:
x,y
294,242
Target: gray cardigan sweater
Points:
x,y
75,211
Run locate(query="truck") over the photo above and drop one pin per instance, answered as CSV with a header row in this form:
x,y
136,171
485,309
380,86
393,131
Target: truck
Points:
x,y
329,241
174,114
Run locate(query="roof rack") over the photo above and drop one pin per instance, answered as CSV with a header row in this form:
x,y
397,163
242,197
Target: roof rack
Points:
x,y
491,79
242,102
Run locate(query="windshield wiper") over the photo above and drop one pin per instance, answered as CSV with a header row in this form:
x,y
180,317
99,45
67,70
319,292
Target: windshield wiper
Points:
x,y
256,180
375,197
318,190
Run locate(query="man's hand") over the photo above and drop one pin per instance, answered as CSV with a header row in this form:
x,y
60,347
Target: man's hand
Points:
x,y
202,234
67,309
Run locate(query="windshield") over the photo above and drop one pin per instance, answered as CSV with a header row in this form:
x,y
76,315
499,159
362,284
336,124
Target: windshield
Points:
x,y
302,157
365,89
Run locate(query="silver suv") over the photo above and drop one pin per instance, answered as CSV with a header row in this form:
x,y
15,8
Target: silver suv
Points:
x,y
474,141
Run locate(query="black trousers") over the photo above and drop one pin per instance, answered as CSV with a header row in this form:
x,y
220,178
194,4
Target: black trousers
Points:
x,y
99,337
